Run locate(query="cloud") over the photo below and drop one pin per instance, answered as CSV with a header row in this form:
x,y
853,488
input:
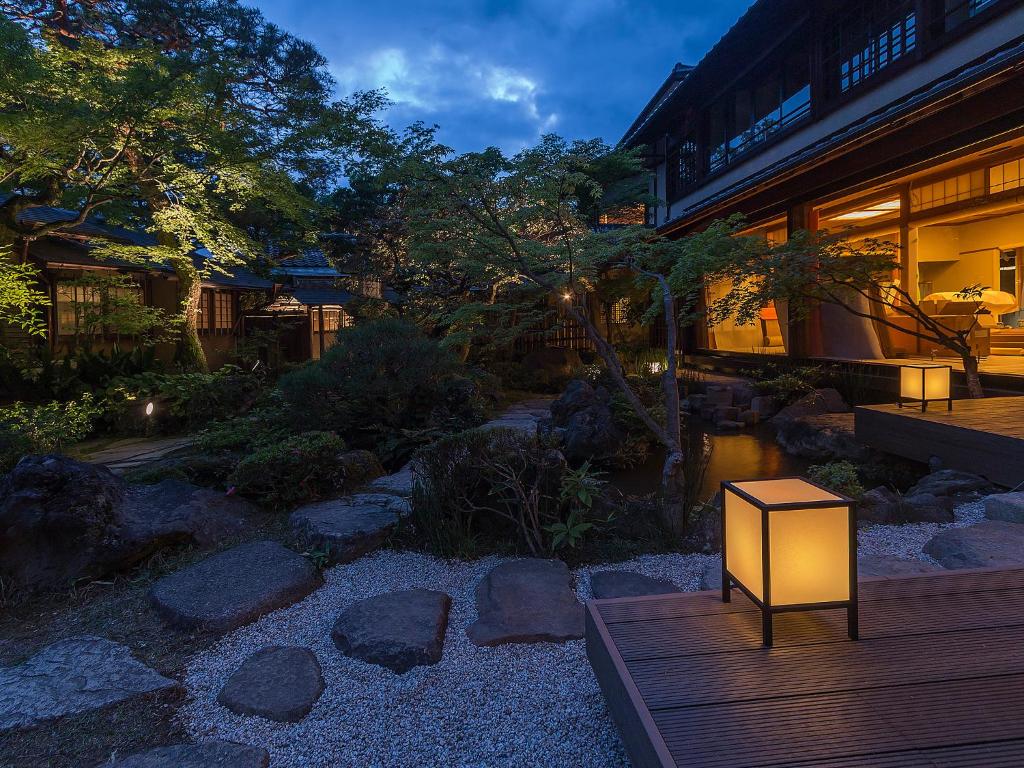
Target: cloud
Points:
x,y
438,81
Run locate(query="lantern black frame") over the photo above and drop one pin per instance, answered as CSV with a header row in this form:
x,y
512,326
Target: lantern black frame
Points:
x,y
768,610
923,401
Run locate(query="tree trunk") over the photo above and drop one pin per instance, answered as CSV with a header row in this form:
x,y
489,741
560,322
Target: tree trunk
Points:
x,y
189,355
673,493
973,379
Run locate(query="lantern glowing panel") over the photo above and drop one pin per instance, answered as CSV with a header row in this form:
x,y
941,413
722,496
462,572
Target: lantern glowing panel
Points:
x,y
789,545
924,383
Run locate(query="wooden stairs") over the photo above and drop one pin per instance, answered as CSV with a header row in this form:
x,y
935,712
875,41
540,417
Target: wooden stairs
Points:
x,y
1008,341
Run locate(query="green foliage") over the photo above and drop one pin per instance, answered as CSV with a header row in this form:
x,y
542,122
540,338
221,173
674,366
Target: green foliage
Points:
x,y
297,469
499,490
21,298
383,381
789,385
43,428
838,476
117,310
254,430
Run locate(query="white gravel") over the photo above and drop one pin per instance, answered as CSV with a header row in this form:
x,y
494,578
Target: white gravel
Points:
x,y
517,705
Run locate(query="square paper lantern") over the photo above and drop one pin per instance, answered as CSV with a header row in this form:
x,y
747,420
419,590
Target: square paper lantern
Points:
x,y
789,545
925,382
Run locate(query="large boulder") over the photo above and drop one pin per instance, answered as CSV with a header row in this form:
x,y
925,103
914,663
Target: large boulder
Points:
x,y
397,630
591,435
892,566
882,506
991,544
826,437
212,754
526,601
349,527
71,676
280,683
816,403
950,482
606,584
578,396
234,587
1005,506
62,520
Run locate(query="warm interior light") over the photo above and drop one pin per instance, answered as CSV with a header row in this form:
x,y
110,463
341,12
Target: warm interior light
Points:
x,y
869,212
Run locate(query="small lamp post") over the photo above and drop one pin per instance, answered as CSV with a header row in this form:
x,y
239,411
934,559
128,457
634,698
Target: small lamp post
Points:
x,y
789,545
925,382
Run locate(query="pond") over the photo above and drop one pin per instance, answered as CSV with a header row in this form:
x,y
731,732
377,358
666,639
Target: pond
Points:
x,y
747,455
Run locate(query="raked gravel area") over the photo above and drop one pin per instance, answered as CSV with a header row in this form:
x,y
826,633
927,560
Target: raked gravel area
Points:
x,y
512,705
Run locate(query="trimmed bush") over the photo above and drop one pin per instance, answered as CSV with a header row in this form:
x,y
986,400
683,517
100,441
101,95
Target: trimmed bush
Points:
x,y
382,381
295,470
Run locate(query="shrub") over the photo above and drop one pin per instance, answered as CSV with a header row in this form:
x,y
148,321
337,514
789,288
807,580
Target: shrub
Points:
x,y
254,430
789,386
300,468
380,380
498,490
838,476
43,428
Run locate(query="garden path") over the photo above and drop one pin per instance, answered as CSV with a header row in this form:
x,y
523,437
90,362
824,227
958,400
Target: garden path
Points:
x,y
120,456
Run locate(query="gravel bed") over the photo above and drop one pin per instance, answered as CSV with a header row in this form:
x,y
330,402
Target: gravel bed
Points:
x,y
517,705
907,540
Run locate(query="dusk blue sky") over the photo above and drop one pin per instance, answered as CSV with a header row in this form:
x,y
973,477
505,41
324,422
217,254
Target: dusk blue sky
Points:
x,y
503,73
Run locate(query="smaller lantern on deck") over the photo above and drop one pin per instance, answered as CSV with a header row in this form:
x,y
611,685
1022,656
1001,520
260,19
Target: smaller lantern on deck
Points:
x,y
924,383
789,545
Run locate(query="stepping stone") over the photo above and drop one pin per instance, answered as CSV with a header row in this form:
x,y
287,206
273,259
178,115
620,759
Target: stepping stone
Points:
x,y
349,527
234,587
949,482
213,754
397,630
991,544
279,683
604,584
890,565
72,676
398,484
1005,506
711,577
526,601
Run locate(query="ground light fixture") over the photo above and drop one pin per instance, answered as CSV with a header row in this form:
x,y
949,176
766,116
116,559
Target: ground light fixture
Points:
x,y
789,545
925,383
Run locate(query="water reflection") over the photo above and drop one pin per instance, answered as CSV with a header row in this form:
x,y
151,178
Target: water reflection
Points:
x,y
746,455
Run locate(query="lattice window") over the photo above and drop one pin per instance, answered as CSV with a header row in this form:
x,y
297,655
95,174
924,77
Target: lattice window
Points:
x,y
865,39
224,311
946,191
1006,176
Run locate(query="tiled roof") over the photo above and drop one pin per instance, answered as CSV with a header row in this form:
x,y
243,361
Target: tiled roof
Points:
x,y
44,214
313,297
310,263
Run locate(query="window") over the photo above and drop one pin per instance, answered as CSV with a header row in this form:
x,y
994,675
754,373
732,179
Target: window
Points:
x,y
89,305
777,98
866,38
216,312
1008,271
334,320
945,191
618,312
950,14
681,170
1006,176
74,304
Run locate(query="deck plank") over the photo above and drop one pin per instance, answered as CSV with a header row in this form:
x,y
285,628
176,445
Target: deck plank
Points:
x,y
936,679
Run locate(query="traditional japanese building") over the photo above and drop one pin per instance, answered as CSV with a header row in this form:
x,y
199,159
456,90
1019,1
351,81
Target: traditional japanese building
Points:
x,y
900,120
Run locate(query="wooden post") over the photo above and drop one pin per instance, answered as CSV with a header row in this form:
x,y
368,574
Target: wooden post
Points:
x,y
320,314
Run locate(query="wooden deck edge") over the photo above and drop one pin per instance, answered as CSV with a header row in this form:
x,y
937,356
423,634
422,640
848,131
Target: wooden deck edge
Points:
x,y
644,743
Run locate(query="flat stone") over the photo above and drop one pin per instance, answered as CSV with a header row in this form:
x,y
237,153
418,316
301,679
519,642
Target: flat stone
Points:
x,y
727,425
213,754
526,601
991,544
881,506
890,565
816,403
397,630
949,482
234,587
711,576
349,527
605,584
400,483
279,683
75,675
1005,506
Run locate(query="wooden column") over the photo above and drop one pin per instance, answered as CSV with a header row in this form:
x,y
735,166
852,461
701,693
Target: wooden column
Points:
x,y
320,314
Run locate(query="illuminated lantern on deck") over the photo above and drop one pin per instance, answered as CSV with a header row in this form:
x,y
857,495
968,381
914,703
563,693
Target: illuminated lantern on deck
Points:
x,y
789,545
925,382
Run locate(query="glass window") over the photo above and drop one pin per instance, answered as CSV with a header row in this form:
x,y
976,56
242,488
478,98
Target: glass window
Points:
x,y
864,38
946,191
224,311
952,13
75,303
203,319
1006,176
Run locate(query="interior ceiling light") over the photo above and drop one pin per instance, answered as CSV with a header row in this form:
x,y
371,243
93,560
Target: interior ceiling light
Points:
x,y
870,212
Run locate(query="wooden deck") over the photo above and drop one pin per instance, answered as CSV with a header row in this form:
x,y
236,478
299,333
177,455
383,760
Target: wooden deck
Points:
x,y
936,680
982,436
